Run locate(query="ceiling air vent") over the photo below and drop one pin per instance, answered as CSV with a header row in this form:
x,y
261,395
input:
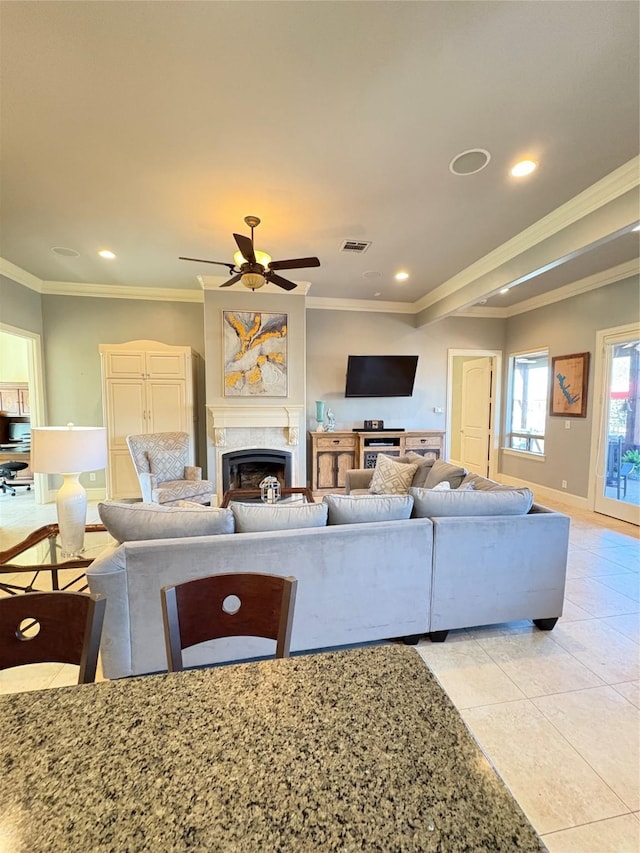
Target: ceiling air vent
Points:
x,y
355,247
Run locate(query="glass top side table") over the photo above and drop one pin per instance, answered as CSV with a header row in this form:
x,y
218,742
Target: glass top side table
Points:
x,y
41,553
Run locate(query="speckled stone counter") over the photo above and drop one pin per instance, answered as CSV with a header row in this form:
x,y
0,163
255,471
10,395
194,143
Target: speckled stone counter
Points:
x,y
352,750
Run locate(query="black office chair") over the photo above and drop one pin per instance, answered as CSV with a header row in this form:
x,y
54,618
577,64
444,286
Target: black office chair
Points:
x,y
8,471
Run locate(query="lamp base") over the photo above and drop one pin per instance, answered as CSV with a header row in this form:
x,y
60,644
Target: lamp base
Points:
x,y
71,504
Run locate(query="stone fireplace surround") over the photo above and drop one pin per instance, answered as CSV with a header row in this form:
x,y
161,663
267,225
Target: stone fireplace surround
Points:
x,y
251,427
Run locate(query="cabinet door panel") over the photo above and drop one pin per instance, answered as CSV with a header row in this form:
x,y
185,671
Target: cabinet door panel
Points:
x,y
166,406
126,411
325,478
162,365
344,461
121,476
124,364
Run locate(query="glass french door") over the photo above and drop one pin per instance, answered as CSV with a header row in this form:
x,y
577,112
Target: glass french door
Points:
x,y
617,476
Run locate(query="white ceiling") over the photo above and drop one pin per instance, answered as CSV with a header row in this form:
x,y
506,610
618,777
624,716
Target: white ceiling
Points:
x,y
153,128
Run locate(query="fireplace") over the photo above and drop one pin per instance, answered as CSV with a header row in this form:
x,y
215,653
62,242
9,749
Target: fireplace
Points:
x,y
245,469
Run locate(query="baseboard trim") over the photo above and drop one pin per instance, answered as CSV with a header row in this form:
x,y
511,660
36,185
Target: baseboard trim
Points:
x,y
543,493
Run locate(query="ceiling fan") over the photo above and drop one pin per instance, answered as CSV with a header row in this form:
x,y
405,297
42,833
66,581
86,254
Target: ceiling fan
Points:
x,y
253,267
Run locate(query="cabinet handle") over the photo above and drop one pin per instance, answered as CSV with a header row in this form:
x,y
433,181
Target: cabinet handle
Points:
x,y
423,441
336,441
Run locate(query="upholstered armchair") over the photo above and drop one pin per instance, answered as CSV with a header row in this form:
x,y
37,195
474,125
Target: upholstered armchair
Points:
x,y
161,462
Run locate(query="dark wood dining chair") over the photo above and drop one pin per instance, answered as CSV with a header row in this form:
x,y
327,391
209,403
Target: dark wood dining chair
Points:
x,y
207,609
48,627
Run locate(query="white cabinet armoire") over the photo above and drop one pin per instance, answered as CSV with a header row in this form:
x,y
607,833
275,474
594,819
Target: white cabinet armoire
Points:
x,y
147,387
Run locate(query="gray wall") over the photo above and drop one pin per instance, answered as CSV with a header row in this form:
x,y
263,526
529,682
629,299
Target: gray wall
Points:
x,y
333,335
73,328
20,306
568,327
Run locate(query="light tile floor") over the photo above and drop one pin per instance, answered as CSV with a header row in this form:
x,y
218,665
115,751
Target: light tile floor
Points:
x,y
558,713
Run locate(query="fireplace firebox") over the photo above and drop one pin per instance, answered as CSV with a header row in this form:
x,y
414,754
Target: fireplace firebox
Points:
x,y
245,469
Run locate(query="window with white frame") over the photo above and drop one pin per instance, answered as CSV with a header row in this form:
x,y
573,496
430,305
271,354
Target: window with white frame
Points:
x,y
527,411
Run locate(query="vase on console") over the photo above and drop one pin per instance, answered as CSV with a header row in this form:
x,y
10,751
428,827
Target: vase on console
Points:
x,y
320,415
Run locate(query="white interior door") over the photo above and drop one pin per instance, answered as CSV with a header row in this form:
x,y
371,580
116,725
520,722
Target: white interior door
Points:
x,y
616,477
475,417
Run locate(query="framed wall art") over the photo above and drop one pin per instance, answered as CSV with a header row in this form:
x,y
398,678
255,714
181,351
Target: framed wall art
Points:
x,y
255,354
569,378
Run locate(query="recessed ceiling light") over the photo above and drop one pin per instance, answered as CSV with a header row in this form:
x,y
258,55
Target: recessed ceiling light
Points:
x,y
64,252
401,276
105,253
524,167
504,290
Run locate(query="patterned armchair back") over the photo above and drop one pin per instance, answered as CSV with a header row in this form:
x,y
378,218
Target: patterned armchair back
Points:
x,y
163,454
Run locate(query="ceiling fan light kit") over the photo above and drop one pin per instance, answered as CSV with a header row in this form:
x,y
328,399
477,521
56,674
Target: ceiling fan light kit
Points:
x,y
255,268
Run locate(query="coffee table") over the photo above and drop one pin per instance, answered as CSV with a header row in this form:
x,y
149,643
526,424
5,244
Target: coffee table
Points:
x,y
41,553
253,495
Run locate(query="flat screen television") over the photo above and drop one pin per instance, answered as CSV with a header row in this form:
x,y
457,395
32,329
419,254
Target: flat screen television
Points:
x,y
381,375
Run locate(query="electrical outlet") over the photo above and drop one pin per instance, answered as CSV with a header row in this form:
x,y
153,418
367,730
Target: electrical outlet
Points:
x,y
438,410
564,484
567,424
92,477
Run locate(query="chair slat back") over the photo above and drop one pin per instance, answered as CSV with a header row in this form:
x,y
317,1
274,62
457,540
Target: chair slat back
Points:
x,y
198,610
69,629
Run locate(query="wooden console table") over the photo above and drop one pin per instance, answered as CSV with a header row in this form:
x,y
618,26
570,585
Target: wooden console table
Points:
x,y
331,454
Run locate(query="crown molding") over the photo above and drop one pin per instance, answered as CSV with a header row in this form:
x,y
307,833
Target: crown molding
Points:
x,y
612,186
329,304
584,285
20,276
109,291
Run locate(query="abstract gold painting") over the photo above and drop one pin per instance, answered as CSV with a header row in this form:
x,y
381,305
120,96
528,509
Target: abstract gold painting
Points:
x,y
255,354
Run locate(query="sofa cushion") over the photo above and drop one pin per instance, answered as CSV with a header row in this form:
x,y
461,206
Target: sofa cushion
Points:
x,y
441,470
354,509
130,522
391,477
429,503
258,517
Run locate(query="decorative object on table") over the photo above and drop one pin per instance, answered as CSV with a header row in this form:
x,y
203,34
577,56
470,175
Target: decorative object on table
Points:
x,y
569,379
255,268
255,354
69,451
374,425
331,421
270,490
320,415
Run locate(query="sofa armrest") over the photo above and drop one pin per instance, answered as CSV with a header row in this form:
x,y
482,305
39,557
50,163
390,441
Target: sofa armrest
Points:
x,y
192,472
357,478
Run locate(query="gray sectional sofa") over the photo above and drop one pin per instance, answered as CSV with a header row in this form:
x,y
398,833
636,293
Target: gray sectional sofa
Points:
x,y
358,581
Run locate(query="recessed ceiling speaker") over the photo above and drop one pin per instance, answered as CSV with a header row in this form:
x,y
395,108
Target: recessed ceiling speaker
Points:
x,y
66,253
469,162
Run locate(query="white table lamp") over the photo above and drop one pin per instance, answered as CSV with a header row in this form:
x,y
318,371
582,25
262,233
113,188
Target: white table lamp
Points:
x,y
69,451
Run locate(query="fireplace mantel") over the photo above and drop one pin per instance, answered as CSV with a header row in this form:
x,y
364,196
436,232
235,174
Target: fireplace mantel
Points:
x,y
260,417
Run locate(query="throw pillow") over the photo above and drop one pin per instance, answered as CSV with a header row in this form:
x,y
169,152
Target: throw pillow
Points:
x,y
442,487
132,522
445,471
391,477
429,503
354,509
424,466
259,517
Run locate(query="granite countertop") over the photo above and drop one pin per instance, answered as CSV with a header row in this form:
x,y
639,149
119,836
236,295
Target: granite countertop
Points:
x,y
351,750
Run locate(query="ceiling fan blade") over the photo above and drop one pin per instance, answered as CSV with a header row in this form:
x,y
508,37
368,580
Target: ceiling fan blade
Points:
x,y
246,247
294,264
281,282
232,280
231,267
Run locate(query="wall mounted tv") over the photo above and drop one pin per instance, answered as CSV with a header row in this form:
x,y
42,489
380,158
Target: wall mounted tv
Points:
x,y
381,375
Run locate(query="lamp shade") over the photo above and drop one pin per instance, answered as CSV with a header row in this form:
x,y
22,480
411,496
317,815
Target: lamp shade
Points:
x,y
69,449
